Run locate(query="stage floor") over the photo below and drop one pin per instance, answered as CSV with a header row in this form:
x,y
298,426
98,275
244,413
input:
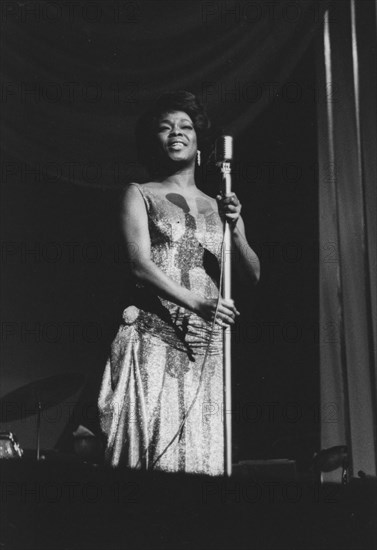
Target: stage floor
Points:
x,y
52,505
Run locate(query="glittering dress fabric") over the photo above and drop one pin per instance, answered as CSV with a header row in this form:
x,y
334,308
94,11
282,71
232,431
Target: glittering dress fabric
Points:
x,y
155,371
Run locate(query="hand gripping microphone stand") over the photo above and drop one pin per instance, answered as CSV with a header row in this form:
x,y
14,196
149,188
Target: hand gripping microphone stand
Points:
x,y
224,155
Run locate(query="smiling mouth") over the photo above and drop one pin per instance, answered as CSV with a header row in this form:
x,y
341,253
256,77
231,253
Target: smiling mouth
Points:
x,y
177,145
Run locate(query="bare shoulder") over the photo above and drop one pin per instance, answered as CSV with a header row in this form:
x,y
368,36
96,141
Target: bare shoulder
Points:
x,y
131,195
151,185
205,196
211,200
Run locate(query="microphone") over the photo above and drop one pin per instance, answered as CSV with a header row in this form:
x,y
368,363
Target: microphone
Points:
x,y
223,149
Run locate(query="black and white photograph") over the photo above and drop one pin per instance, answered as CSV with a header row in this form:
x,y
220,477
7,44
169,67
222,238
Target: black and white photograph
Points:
x,y
188,275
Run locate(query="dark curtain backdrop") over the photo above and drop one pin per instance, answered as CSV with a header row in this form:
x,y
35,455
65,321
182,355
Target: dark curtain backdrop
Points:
x,y
347,195
74,83
80,77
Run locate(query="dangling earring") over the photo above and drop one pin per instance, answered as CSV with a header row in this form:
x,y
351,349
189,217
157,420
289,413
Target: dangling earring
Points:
x,y
198,159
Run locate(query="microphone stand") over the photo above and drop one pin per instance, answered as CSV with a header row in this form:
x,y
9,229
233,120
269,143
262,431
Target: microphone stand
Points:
x,y
227,357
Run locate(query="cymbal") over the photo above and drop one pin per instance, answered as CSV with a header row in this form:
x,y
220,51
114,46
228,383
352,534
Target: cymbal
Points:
x,y
50,391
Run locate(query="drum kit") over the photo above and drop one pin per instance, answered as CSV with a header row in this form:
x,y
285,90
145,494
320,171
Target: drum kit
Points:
x,y
32,399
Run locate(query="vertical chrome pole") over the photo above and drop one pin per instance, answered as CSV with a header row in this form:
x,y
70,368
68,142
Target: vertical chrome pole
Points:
x,y
227,357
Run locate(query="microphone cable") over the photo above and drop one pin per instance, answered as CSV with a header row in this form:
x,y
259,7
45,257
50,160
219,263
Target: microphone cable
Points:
x,y
179,432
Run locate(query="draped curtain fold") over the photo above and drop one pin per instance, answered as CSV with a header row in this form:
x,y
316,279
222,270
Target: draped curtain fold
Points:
x,y
347,196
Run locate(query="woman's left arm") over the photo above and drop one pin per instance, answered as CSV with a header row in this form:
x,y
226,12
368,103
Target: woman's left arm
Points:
x,y
244,258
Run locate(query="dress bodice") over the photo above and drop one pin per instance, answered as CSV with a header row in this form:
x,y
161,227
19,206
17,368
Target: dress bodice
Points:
x,y
187,248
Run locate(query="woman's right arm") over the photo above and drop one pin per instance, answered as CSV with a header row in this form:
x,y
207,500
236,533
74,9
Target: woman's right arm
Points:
x,y
145,271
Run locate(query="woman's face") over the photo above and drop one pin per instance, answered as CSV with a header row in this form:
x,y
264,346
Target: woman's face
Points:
x,y
177,137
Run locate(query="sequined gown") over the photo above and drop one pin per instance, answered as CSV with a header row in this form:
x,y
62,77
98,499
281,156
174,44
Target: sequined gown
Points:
x,y
155,373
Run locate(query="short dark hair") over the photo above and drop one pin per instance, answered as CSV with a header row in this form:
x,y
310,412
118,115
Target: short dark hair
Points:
x,y
145,131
